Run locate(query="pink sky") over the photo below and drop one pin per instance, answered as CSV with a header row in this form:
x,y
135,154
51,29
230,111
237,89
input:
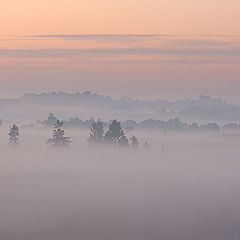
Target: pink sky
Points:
x,y
147,49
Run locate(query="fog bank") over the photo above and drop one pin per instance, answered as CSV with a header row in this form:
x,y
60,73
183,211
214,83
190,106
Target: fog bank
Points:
x,y
189,191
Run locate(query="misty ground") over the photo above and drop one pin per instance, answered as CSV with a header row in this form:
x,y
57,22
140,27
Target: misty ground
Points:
x,y
189,191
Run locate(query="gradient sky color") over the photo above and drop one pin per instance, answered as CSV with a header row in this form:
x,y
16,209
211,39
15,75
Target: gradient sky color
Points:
x,y
148,49
21,17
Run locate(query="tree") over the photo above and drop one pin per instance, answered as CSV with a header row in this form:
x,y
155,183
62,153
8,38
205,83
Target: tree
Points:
x,y
0,121
115,134
13,135
134,141
96,132
51,120
58,133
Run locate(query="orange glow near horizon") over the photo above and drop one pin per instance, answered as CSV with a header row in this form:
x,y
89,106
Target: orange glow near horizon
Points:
x,y
194,46
27,17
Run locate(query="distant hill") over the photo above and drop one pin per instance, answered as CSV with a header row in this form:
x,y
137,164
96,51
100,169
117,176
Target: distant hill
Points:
x,y
203,108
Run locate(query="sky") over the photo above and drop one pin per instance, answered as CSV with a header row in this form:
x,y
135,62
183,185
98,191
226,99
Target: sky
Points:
x,y
145,49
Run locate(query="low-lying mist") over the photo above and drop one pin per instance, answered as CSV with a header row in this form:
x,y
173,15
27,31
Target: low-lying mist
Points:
x,y
184,187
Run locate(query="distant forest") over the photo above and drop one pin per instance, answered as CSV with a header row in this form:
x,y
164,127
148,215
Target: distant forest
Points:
x,y
203,108
130,125
113,131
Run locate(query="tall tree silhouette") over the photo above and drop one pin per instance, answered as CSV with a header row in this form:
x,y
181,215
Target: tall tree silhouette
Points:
x,y
51,119
96,132
13,135
58,138
115,134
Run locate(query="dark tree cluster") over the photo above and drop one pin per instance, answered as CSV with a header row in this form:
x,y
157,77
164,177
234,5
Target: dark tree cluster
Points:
x,y
114,135
130,125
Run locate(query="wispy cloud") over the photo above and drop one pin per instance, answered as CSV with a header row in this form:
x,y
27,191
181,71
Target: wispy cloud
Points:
x,y
143,40
200,43
70,52
97,36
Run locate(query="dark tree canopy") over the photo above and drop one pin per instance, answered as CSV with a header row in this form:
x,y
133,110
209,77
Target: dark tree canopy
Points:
x,y
58,133
115,134
13,135
96,132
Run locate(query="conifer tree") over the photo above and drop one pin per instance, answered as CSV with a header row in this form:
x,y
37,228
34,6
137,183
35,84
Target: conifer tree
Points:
x,y
96,132
13,135
58,138
115,134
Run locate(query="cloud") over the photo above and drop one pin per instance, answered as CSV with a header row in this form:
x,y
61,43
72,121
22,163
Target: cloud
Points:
x,y
153,40
75,52
97,36
200,43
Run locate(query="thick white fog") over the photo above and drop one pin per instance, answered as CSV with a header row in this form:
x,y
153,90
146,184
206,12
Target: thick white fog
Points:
x,y
188,191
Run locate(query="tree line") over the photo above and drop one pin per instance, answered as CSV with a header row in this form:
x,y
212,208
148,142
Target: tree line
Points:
x,y
114,135
130,125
